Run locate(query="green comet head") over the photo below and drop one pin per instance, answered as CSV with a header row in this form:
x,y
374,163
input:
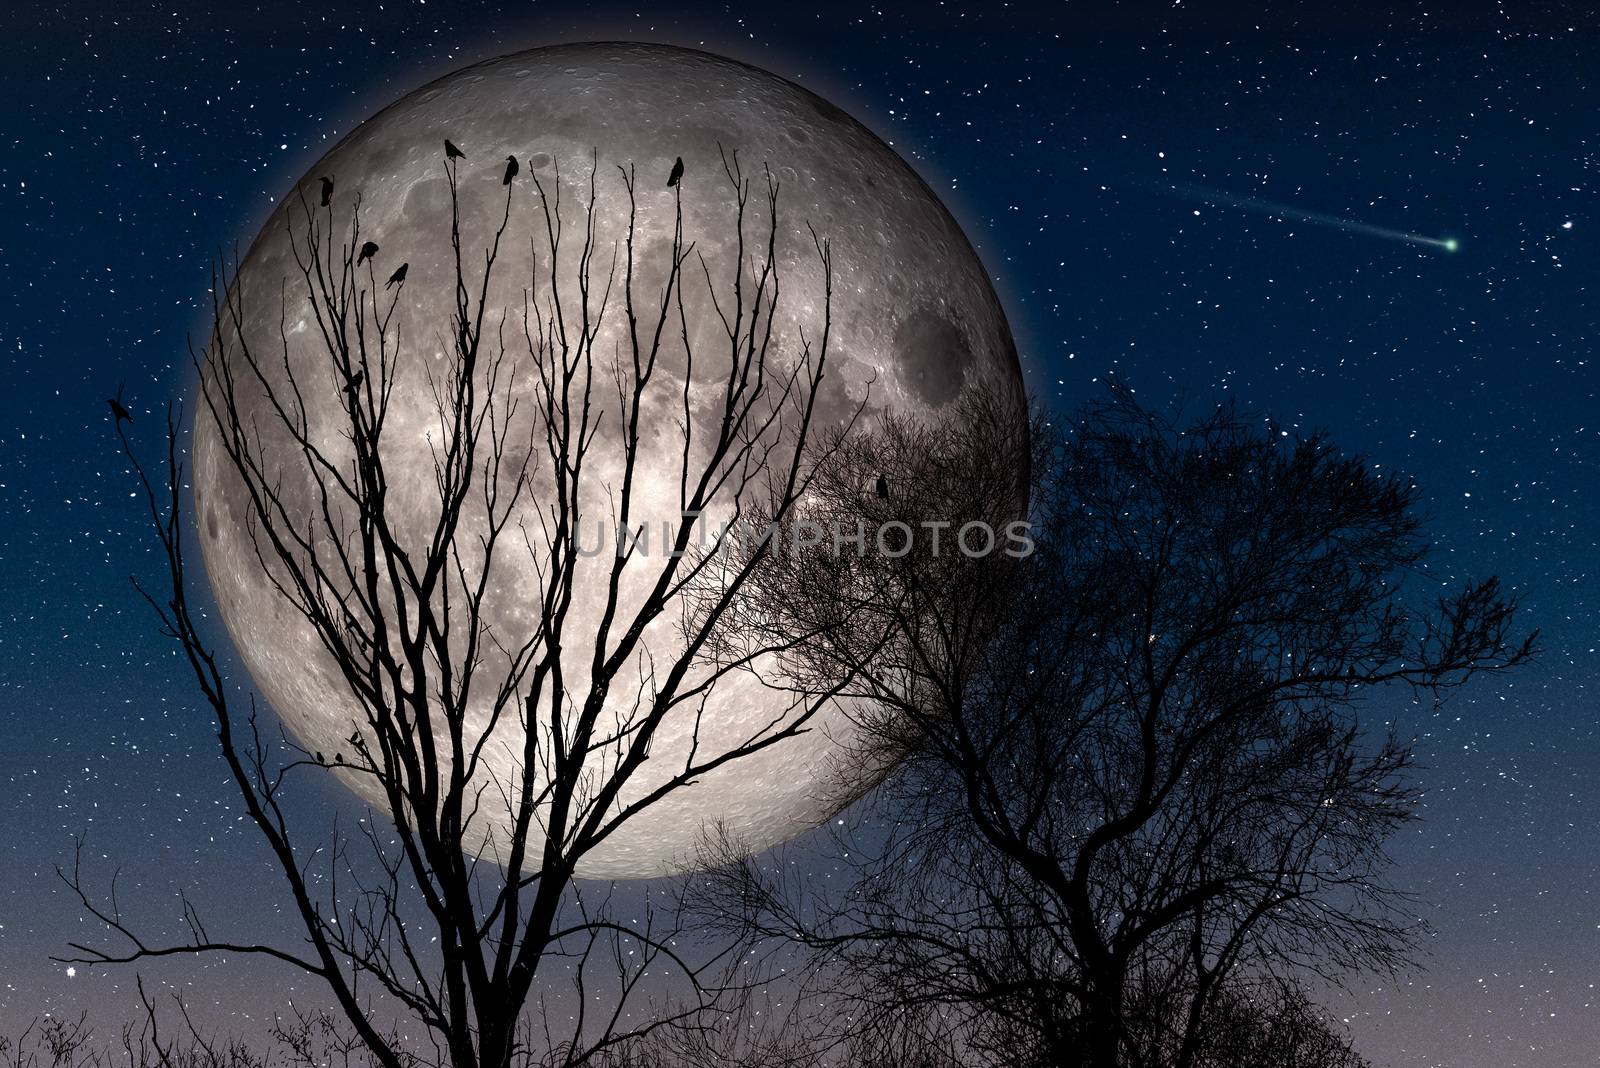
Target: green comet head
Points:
x,y
1451,244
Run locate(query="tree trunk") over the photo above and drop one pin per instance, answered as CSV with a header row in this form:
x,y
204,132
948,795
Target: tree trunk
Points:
x,y
1102,1034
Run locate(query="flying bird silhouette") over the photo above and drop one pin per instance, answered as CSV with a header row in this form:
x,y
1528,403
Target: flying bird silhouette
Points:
x,y
118,412
677,172
368,250
881,488
451,151
327,190
398,276
511,170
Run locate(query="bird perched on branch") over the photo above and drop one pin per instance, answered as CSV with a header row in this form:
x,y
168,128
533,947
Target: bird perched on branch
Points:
x,y
677,172
327,190
451,151
368,250
511,170
118,412
398,276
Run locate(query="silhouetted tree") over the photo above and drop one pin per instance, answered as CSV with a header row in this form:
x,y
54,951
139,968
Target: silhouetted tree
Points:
x,y
468,947
1133,783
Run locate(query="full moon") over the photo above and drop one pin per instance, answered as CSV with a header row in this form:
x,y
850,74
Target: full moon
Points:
x,y
916,325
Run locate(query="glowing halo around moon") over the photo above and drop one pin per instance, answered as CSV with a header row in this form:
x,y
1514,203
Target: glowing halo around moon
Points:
x,y
916,323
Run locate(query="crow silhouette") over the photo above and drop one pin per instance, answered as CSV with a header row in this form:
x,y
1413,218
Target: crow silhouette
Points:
x,y
355,382
368,250
327,190
118,412
398,276
511,170
451,151
881,488
677,172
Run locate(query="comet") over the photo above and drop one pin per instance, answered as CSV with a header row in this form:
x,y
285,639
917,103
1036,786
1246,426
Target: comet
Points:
x,y
1288,211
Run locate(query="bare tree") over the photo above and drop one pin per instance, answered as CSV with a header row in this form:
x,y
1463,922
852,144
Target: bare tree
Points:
x,y
441,918
1133,775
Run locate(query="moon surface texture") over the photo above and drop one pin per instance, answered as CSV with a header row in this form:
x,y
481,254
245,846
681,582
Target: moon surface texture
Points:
x,y
916,324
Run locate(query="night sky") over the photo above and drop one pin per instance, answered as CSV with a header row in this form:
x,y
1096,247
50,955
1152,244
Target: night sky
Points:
x,y
136,139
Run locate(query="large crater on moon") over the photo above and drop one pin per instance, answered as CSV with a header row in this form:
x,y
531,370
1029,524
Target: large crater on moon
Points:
x,y
916,324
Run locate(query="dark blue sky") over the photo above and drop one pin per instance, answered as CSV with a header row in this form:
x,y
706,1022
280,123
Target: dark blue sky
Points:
x,y
136,140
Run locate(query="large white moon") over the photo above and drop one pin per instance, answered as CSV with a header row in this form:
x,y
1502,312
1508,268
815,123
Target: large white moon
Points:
x,y
915,324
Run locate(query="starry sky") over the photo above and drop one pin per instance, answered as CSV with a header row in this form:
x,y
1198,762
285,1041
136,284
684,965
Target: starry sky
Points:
x,y
137,139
